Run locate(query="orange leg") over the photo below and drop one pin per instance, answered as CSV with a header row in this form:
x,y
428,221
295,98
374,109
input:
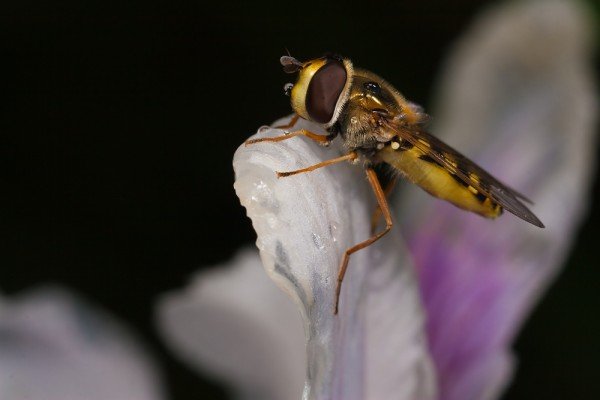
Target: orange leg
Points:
x,y
377,213
348,157
383,205
322,139
290,124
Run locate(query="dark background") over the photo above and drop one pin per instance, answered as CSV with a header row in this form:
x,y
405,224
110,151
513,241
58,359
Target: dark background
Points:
x,y
118,125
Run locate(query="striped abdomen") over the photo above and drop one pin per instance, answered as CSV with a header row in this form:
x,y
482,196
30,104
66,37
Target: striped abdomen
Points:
x,y
424,171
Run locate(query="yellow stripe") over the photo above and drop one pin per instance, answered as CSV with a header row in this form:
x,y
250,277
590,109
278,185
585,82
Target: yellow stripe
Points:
x,y
437,181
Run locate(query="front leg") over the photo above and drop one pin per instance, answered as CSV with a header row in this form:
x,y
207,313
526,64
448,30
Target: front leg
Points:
x,y
290,124
321,139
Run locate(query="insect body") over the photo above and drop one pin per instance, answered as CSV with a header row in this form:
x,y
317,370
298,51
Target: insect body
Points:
x,y
379,126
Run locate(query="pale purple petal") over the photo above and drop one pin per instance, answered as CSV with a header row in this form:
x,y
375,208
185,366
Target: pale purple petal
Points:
x,y
55,347
517,96
375,348
233,323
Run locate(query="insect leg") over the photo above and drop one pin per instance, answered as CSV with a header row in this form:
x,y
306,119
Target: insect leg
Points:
x,y
348,157
290,124
383,205
322,139
377,213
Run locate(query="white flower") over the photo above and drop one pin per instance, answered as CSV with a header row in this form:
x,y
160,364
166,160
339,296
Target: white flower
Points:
x,y
55,347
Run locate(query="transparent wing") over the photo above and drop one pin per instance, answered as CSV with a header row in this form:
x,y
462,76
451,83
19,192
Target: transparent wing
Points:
x,y
465,169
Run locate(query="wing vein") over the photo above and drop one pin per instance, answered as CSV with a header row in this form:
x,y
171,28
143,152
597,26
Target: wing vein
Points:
x,y
464,168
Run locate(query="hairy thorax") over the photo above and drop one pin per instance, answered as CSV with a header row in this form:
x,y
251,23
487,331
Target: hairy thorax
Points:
x,y
359,126
359,123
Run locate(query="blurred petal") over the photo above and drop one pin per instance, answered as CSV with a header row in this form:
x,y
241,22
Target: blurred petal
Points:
x,y
518,95
234,323
55,347
375,348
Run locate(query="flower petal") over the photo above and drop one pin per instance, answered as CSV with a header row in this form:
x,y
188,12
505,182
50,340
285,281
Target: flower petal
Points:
x,y
375,346
518,93
233,322
54,347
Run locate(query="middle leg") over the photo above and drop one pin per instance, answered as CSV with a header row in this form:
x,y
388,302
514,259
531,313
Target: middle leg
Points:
x,y
348,157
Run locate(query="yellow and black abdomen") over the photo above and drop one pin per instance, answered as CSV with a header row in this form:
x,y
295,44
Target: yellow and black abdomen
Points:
x,y
424,171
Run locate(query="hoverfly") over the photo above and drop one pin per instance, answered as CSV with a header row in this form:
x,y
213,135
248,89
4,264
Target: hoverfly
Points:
x,y
379,126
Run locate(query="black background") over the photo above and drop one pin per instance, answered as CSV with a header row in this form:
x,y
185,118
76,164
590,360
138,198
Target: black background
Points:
x,y
118,125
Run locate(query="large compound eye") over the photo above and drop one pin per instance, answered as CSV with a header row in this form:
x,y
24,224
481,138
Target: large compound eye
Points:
x,y
324,90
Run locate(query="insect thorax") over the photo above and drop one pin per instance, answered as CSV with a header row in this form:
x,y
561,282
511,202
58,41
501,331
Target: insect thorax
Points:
x,y
359,129
358,123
